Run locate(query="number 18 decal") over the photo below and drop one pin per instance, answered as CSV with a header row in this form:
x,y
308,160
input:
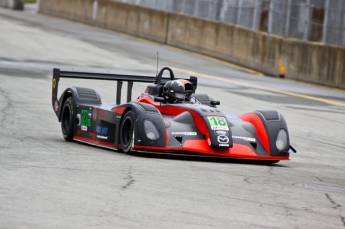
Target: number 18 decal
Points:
x,y
218,123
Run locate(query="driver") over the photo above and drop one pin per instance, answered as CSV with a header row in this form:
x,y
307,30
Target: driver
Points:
x,y
174,92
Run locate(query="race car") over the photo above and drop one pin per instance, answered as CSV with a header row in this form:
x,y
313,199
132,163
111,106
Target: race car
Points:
x,y
169,118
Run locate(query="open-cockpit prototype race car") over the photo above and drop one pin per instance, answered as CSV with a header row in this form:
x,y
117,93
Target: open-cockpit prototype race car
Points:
x,y
169,117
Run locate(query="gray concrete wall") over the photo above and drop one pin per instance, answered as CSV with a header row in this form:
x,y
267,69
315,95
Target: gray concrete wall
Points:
x,y
306,61
3,3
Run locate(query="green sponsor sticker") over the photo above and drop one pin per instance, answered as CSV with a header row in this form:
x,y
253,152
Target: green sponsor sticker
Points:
x,y
85,119
218,123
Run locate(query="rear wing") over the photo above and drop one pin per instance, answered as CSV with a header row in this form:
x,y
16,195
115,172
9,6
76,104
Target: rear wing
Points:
x,y
57,74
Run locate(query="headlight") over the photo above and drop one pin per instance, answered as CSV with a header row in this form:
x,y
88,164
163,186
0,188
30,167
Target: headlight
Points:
x,y
282,140
150,130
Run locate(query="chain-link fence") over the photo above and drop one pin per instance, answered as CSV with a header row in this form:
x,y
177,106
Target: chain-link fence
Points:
x,y
308,20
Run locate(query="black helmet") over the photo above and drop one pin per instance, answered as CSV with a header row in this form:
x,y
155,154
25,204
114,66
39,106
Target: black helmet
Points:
x,y
174,91
188,87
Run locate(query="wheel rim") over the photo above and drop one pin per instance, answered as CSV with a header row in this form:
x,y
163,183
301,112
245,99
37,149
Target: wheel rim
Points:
x,y
127,132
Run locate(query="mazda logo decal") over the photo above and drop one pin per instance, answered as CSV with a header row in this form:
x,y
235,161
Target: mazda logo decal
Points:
x,y
223,139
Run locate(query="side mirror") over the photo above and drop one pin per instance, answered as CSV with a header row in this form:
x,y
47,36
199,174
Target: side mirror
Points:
x,y
159,99
213,102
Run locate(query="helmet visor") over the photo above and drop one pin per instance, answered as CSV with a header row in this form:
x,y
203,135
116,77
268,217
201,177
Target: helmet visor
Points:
x,y
178,96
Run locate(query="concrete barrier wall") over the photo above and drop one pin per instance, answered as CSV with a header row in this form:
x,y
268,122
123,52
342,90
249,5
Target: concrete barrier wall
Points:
x,y
315,63
135,20
4,3
79,10
228,42
306,61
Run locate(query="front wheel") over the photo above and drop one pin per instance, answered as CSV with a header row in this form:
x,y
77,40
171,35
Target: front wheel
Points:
x,y
127,132
67,121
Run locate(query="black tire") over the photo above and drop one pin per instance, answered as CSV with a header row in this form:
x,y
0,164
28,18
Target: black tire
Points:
x,y
127,128
67,120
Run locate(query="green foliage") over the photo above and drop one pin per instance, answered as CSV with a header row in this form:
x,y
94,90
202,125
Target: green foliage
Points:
x,y
30,1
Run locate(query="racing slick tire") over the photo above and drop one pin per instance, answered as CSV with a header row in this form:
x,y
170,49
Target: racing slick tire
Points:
x,y
67,121
127,132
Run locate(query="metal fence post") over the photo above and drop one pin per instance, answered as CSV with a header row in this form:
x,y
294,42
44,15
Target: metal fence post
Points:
x,y
325,23
239,7
341,39
218,9
196,8
333,22
255,15
288,15
94,10
270,17
209,9
183,6
307,21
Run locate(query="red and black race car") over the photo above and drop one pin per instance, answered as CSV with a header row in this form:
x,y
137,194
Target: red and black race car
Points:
x,y
169,117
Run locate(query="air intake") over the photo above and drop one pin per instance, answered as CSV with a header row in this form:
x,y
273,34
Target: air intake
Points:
x,y
148,108
88,95
269,115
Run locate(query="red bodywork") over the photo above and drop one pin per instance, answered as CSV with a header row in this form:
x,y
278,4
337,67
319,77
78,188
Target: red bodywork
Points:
x,y
238,151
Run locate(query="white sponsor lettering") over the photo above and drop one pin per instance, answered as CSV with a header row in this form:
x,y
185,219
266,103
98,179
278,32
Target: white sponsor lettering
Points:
x,y
219,128
102,137
227,145
245,138
221,132
184,133
84,128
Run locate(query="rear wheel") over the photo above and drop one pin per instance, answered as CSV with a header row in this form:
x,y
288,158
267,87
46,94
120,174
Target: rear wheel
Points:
x,y
67,121
127,132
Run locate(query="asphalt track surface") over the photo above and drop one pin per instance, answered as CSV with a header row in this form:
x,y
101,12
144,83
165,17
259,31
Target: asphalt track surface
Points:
x,y
46,182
